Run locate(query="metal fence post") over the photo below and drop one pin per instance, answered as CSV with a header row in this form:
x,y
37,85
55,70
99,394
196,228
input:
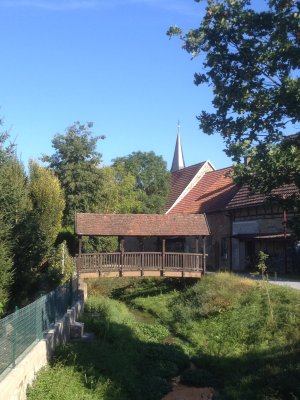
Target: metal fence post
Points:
x,y
14,342
70,300
38,319
55,305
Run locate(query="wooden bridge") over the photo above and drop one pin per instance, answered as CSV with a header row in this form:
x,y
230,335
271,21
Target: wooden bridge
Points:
x,y
186,265
142,263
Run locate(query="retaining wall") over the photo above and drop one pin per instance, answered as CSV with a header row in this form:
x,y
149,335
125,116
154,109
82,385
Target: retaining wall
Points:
x,y
14,382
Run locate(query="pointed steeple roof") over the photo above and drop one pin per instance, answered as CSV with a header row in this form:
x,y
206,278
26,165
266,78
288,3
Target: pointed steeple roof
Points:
x,y
178,160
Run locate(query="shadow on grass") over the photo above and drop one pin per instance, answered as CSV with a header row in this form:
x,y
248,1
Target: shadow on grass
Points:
x,y
150,287
141,370
268,375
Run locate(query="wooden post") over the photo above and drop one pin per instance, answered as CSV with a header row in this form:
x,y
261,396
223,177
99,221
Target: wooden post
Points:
x,y
78,261
122,255
197,252
285,244
197,244
163,256
204,254
79,245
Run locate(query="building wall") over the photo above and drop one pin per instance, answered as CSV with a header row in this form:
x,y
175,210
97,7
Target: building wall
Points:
x,y
260,221
218,243
268,225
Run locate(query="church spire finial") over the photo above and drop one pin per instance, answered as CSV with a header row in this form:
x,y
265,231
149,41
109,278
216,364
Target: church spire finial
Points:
x,y
178,160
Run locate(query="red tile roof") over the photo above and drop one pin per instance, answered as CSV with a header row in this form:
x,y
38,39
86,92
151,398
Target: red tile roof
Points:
x,y
88,224
180,180
244,199
212,193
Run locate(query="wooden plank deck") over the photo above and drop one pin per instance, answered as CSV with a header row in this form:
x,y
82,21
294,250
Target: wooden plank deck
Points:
x,y
186,265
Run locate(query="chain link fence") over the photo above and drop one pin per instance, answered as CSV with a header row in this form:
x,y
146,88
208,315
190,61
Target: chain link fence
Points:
x,y
19,330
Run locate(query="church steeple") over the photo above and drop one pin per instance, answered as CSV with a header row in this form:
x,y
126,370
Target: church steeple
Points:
x,y
178,160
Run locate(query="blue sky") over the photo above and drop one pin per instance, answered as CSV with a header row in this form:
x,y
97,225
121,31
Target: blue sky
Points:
x,y
106,61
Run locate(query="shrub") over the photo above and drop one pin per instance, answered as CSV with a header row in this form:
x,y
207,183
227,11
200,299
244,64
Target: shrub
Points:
x,y
60,265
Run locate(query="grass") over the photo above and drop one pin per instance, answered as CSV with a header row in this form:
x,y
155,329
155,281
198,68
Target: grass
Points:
x,y
242,335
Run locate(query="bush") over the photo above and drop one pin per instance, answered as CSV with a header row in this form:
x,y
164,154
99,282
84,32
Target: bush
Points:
x,y
61,265
66,234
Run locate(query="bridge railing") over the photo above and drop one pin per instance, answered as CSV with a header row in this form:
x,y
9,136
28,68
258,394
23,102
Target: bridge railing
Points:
x,y
133,261
183,262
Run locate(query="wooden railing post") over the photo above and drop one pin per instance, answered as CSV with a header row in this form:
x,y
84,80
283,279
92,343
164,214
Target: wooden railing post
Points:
x,y
197,244
204,254
122,256
79,245
197,264
142,264
163,258
100,258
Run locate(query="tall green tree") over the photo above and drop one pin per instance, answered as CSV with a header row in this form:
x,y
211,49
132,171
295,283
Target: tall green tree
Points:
x,y
13,206
38,230
120,194
152,179
250,58
76,162
6,269
47,199
13,191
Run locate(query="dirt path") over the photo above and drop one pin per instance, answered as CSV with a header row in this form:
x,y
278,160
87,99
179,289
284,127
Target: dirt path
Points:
x,y
181,392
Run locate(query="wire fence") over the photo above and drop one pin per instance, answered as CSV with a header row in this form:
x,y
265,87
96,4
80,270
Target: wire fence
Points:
x,y
19,330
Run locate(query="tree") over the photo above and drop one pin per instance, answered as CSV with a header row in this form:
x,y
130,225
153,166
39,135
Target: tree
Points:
x,y
76,162
120,194
13,208
152,179
38,230
13,205
251,59
48,204
6,271
14,201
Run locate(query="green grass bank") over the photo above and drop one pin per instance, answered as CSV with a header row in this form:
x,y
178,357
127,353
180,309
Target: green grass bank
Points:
x,y
242,336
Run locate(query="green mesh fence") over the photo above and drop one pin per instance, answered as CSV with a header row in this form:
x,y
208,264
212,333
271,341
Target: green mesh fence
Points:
x,y
18,331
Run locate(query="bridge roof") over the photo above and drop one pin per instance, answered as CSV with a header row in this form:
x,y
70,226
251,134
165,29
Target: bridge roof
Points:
x,y
89,224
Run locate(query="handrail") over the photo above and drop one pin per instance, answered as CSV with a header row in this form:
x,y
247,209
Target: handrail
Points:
x,y
133,261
